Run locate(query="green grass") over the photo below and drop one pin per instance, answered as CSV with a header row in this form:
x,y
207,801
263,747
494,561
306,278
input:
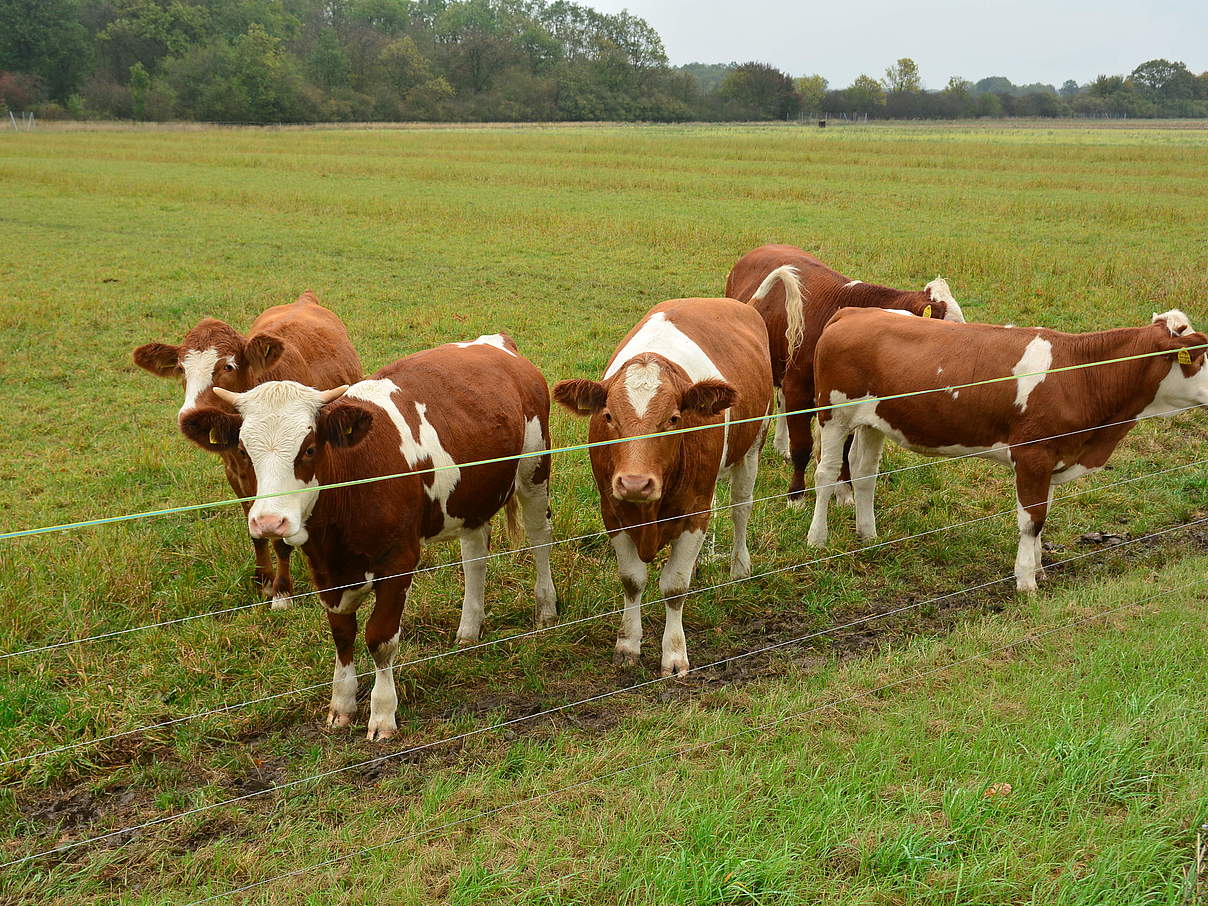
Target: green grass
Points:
x,y
563,237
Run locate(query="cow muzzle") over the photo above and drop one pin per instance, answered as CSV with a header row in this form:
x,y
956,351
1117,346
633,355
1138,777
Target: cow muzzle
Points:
x,y
269,525
636,488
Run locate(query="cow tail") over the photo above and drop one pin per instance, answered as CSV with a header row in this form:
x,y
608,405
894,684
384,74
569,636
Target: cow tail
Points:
x,y
515,529
794,304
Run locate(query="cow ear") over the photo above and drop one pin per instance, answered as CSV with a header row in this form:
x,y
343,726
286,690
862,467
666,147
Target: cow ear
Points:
x,y
343,425
708,397
212,429
581,396
160,359
262,352
1186,353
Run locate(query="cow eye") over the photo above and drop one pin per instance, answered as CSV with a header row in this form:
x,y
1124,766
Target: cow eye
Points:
x,y
673,421
310,451
608,416
230,366
243,452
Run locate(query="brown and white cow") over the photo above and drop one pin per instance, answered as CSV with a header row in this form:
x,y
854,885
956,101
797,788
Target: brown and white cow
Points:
x,y
1050,428
797,294
301,341
454,404
688,362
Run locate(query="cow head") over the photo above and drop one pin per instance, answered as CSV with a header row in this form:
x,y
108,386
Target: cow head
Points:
x,y
285,431
212,355
941,296
648,398
1186,384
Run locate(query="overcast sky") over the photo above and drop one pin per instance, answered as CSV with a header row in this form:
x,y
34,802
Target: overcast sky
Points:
x,y
1024,40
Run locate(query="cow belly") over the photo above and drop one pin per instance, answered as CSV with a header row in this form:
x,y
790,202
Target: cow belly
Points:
x,y
865,414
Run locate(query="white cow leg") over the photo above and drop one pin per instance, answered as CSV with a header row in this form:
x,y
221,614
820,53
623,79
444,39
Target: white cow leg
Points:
x,y
830,464
674,583
383,702
474,548
633,580
1032,495
344,678
742,488
865,459
780,439
534,511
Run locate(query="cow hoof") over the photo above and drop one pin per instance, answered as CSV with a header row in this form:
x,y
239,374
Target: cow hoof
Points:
x,y
740,569
465,641
843,495
336,720
281,602
1027,587
796,503
677,666
625,658
815,540
381,728
546,620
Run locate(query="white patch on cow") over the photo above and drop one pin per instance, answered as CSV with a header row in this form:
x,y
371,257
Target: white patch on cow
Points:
x,y
661,336
198,366
277,416
1026,559
1063,473
674,581
939,370
1037,356
633,577
352,598
1176,391
852,283
899,311
493,339
780,439
1176,322
956,394
642,382
415,449
939,291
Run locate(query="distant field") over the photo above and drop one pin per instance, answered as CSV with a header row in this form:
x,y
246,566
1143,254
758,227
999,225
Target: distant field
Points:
x,y
563,237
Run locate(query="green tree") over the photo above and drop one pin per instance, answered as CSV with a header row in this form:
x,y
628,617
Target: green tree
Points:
x,y
45,38
140,84
903,76
761,91
1163,80
866,94
1068,89
812,90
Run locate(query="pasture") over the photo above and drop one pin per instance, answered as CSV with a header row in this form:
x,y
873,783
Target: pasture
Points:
x,y
563,237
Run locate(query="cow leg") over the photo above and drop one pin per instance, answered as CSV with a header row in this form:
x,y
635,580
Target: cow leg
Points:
x,y
674,582
1032,494
742,489
798,395
343,708
264,568
834,433
381,637
535,512
843,490
633,580
865,459
475,544
780,440
282,585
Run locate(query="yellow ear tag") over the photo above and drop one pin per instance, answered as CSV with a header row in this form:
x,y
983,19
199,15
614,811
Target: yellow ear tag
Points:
x,y
927,311
1184,356
214,436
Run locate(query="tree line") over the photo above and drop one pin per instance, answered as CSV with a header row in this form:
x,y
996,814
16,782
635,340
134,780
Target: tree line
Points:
x,y
271,61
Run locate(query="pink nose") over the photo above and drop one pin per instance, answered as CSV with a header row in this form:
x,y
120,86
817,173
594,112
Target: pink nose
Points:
x,y
270,526
635,487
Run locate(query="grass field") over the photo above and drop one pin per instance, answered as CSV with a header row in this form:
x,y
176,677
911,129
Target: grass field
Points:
x,y
564,237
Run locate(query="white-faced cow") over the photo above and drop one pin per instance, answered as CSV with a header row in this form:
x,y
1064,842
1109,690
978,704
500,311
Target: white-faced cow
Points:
x,y
302,341
688,362
797,294
437,409
1051,428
